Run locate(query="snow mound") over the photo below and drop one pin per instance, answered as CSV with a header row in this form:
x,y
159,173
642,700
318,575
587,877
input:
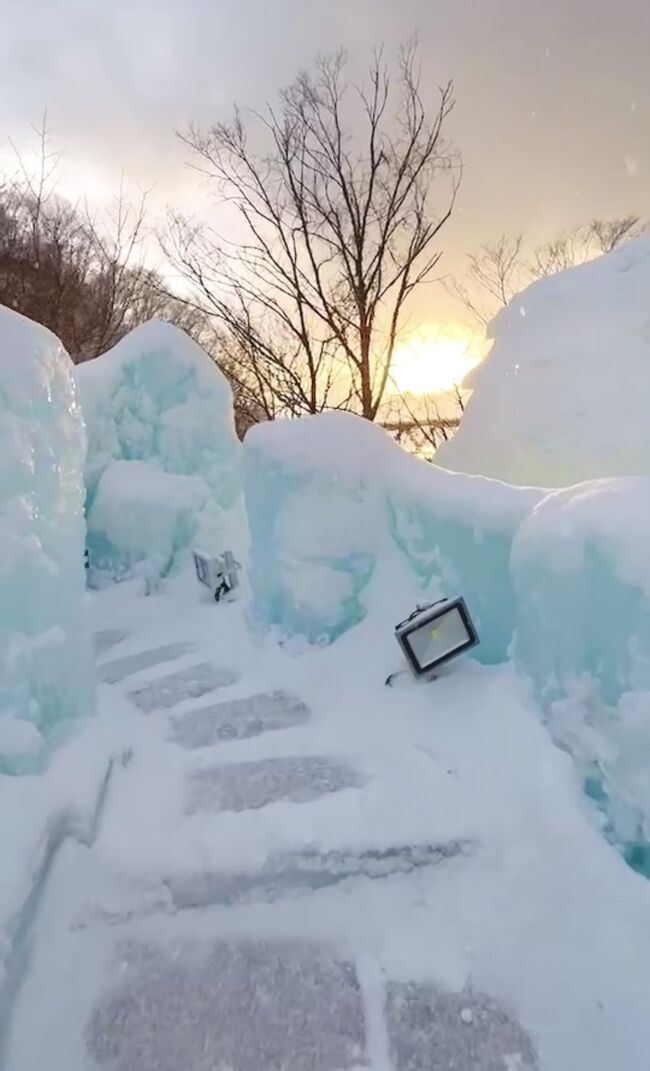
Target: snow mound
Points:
x,y
582,581
562,396
328,497
161,444
143,515
45,658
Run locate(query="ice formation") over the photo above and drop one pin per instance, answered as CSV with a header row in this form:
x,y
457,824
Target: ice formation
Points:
x,y
143,515
582,579
561,579
328,495
582,582
46,677
316,518
561,397
163,456
457,531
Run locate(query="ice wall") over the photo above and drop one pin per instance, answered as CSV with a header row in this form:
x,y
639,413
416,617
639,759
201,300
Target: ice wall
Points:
x,y
329,497
457,531
562,396
46,677
561,580
581,573
163,466
316,518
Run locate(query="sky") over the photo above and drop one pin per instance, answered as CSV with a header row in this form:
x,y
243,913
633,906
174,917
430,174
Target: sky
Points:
x,y
553,96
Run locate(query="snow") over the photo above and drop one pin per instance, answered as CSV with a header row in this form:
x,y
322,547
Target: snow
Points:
x,y
330,496
561,397
39,813
163,460
142,517
341,521
257,852
19,738
464,840
45,661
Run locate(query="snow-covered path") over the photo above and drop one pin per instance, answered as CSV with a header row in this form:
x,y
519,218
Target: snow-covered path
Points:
x,y
297,869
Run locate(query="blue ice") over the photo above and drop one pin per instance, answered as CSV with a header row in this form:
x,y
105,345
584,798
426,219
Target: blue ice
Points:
x,y
46,664
331,498
163,467
582,582
315,523
560,581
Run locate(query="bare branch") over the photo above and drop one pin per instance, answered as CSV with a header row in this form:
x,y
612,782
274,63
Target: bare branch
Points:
x,y
338,232
499,271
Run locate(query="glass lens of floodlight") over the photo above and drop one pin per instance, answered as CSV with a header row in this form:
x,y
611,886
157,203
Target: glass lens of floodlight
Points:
x,y
438,639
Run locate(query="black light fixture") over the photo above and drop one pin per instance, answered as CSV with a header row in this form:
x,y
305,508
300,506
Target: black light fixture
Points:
x,y
216,572
435,634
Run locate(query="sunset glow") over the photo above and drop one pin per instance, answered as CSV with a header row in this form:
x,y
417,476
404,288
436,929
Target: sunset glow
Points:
x,y
434,360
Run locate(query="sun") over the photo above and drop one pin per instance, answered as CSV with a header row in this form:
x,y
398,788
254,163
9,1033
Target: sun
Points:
x,y
434,360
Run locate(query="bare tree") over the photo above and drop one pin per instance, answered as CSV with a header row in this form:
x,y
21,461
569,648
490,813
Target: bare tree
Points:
x,y
494,276
335,237
421,423
606,234
564,251
501,270
262,356
83,275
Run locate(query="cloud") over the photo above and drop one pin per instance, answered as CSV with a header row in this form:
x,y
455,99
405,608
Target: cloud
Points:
x,y
119,77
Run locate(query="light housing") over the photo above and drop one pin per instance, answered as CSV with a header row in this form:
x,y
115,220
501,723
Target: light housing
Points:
x,y
435,634
218,572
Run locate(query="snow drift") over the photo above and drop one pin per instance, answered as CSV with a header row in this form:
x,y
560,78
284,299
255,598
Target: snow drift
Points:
x,y
562,396
46,676
163,456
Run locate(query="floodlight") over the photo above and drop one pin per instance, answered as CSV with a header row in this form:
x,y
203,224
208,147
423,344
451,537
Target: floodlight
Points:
x,y
218,572
435,634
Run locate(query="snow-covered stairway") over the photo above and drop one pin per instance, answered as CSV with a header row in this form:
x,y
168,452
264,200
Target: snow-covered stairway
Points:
x,y
206,988
297,871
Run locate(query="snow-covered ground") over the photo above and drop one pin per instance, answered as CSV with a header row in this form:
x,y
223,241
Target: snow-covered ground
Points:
x,y
292,867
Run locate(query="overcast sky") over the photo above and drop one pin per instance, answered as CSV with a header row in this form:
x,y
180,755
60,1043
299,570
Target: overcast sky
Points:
x,y
552,119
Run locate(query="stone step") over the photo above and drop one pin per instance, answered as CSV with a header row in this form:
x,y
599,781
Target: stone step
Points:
x,y
431,1028
244,786
238,719
290,873
107,638
190,683
119,668
285,1005
243,1005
